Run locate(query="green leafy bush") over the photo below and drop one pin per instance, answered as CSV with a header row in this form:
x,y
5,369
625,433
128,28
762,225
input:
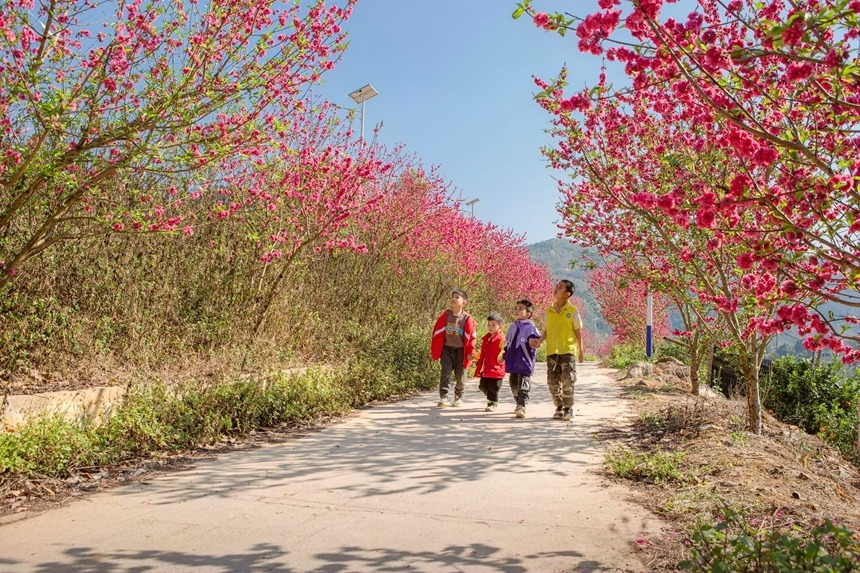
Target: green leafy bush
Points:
x,y
677,351
821,399
47,446
624,355
733,544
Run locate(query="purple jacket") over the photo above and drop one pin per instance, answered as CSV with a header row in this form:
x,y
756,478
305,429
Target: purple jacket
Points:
x,y
519,355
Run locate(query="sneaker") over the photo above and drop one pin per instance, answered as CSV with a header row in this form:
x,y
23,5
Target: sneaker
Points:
x,y
491,407
568,414
559,412
520,412
458,401
444,404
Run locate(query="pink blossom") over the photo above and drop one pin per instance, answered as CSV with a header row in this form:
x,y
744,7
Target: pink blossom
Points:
x,y
666,202
577,102
651,8
705,218
793,33
842,182
541,20
764,157
798,71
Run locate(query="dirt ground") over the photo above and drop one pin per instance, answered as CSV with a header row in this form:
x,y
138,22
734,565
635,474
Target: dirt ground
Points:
x,y
782,479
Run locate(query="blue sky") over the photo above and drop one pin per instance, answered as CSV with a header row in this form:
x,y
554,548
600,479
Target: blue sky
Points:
x,y
455,87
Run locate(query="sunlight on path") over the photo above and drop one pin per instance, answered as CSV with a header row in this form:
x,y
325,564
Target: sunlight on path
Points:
x,y
401,486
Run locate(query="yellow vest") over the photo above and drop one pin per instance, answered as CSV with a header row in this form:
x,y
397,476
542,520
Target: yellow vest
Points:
x,y
560,330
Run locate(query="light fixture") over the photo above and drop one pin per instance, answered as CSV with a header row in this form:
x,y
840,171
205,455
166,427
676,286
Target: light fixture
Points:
x,y
360,96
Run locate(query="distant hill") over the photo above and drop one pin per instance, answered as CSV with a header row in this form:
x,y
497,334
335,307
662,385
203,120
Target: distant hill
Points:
x,y
564,261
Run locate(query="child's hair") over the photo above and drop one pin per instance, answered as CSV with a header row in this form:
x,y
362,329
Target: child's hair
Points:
x,y
497,317
530,307
569,285
460,292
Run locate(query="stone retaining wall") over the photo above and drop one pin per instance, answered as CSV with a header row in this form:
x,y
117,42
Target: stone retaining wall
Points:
x,y
73,405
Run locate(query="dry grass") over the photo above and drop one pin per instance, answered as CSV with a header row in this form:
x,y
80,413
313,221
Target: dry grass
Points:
x,y
782,479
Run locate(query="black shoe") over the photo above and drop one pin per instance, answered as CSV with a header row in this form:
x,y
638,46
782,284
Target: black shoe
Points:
x,y
559,412
567,414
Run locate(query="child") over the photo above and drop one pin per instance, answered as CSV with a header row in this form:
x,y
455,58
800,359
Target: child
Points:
x,y
520,355
563,338
454,343
491,365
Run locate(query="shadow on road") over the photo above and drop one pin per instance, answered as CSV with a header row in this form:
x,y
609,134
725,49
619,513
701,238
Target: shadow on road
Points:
x,y
268,557
406,447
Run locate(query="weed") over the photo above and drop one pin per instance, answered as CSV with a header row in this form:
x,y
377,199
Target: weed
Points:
x,y
658,466
635,394
651,419
733,544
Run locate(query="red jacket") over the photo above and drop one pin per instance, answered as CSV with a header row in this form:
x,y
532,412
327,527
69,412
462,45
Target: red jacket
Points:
x,y
438,340
489,365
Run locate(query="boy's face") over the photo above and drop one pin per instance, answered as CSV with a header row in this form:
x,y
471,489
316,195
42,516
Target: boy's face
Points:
x,y
560,292
521,312
457,301
493,326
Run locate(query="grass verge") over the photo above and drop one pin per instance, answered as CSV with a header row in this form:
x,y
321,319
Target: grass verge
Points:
x,y
158,418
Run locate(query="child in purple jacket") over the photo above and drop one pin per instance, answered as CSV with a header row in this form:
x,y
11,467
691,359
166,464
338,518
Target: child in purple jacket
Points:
x,y
519,355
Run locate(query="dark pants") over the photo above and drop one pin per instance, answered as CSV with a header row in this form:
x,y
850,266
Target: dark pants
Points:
x,y
561,378
452,362
490,387
520,386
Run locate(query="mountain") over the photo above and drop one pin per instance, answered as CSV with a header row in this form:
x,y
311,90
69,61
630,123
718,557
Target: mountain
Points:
x,y
566,261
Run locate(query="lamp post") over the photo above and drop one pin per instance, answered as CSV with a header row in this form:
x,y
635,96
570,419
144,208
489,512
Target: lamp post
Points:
x,y
360,96
471,205
649,321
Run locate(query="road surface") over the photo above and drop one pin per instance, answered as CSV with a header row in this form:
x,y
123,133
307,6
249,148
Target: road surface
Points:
x,y
402,486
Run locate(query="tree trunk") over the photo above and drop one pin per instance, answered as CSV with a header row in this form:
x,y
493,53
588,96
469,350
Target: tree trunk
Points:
x,y
710,366
694,372
753,401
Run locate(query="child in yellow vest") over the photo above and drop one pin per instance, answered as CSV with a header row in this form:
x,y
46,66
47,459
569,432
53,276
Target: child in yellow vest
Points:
x,y
563,337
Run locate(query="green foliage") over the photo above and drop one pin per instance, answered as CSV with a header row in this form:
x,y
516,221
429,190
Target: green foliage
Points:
x,y
820,398
47,446
160,418
624,355
733,544
657,466
676,351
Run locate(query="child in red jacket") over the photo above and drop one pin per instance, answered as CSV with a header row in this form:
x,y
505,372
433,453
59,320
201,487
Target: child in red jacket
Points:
x,y
491,363
454,343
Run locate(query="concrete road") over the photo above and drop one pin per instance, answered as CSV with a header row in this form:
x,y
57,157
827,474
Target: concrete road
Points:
x,y
397,487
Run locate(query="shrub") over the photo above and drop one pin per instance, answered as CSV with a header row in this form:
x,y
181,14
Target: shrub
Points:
x,y
624,355
677,351
735,545
821,399
47,446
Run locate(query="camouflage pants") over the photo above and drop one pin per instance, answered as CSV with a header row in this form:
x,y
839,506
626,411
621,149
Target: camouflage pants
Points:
x,y
561,377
